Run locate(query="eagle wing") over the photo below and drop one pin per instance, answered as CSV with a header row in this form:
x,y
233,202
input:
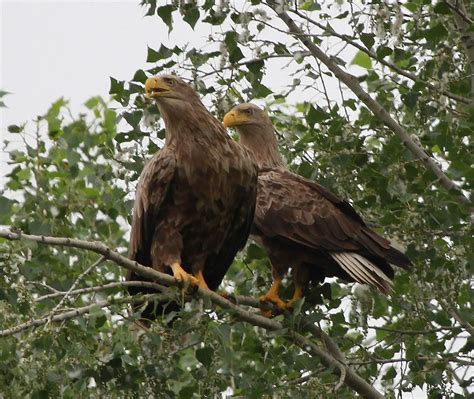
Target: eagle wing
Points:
x,y
236,236
151,192
304,212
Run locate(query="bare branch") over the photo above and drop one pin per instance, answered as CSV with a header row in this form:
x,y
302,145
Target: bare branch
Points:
x,y
78,279
75,313
414,332
105,287
353,83
416,359
457,316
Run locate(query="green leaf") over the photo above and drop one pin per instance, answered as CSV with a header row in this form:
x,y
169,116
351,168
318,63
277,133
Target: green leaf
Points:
x,y
204,355
442,8
310,5
390,374
53,116
2,94
368,40
436,33
315,115
140,76
256,252
116,87
24,174
363,60
162,53
413,7
6,206
164,13
410,99
191,14
235,54
14,129
261,91
92,102
383,52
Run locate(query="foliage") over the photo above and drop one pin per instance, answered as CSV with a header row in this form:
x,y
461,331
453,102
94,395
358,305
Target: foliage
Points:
x,y
75,177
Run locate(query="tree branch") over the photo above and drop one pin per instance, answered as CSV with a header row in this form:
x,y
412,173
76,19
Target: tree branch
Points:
x,y
352,83
75,313
336,366
74,285
105,287
392,66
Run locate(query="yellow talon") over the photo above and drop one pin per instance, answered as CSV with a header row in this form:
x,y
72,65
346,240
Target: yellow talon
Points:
x,y
201,282
296,295
182,276
272,295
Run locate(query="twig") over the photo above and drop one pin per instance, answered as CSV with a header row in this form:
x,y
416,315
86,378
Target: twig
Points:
x,y
416,359
413,332
469,328
75,313
105,287
378,110
74,285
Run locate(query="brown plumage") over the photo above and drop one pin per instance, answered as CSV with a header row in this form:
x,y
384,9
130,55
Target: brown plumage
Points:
x,y
304,226
195,199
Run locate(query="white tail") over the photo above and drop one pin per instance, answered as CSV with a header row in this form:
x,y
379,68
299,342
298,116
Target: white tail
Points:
x,y
363,271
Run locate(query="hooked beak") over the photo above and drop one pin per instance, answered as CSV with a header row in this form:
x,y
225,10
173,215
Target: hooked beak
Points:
x,y
156,87
233,118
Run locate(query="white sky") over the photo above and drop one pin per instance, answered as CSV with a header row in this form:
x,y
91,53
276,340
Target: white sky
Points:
x,y
51,49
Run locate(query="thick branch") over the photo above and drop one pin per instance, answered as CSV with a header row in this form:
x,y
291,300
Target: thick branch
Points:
x,y
352,83
337,367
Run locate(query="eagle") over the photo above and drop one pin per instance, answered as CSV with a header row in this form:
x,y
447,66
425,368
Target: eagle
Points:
x,y
303,225
195,198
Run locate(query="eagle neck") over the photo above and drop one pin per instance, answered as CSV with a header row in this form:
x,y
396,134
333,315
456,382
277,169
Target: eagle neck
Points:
x,y
261,141
193,125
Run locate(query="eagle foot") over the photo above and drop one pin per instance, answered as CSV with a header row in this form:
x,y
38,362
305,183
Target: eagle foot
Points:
x,y
201,282
273,298
182,276
298,294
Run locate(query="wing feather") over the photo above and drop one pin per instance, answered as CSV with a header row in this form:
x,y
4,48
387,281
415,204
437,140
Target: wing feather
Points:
x,y
151,192
303,212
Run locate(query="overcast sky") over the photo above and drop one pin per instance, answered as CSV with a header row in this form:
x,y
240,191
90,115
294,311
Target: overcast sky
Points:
x,y
51,49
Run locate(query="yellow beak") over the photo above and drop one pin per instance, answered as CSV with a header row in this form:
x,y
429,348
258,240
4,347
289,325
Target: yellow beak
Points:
x,y
233,118
156,87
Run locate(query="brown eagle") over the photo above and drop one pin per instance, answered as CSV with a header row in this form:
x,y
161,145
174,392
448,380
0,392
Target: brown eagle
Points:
x,y
195,199
304,226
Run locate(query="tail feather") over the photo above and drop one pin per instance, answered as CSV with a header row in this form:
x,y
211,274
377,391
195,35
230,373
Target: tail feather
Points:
x,y
398,258
363,271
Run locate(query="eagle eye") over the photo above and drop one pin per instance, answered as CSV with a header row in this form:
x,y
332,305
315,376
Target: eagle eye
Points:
x,y
171,82
249,111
